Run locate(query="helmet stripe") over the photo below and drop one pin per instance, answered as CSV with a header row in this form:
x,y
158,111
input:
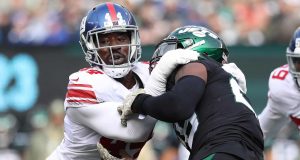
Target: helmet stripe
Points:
x,y
112,12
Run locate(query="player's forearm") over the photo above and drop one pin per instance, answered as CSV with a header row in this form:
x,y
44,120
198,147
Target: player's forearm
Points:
x,y
271,121
175,105
105,120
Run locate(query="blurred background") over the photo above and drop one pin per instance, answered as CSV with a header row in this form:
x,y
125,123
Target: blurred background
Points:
x,y
39,49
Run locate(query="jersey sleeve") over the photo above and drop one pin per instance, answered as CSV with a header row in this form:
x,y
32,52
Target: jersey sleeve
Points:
x,y
105,120
176,105
80,91
281,91
271,120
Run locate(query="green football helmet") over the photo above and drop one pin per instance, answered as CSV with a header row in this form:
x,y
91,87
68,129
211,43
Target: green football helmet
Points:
x,y
197,38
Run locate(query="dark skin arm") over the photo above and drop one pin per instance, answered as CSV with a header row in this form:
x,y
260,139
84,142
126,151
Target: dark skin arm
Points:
x,y
180,102
195,69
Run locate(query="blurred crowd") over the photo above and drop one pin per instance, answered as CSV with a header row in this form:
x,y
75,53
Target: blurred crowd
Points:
x,y
56,22
32,136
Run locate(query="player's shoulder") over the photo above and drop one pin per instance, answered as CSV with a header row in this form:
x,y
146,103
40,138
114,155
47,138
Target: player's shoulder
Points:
x,y
84,87
142,66
88,72
87,75
280,75
281,83
142,70
284,67
210,64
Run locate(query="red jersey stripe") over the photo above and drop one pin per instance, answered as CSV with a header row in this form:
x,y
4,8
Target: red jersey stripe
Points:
x,y
145,62
295,120
80,85
82,101
112,11
81,94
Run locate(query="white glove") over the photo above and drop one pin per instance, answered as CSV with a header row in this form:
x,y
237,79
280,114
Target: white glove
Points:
x,y
156,84
125,109
236,73
104,154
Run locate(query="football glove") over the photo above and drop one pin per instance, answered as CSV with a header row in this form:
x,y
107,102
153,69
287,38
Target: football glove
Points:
x,y
156,84
104,154
237,74
125,109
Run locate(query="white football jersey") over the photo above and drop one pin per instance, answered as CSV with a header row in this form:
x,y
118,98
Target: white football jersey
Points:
x,y
91,116
283,102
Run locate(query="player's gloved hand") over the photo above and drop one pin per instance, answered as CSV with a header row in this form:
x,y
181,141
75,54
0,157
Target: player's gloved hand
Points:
x,y
125,109
236,73
104,154
156,84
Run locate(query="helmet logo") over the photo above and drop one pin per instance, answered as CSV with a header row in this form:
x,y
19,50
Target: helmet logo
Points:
x,y
192,29
197,44
82,25
198,32
187,43
297,43
109,23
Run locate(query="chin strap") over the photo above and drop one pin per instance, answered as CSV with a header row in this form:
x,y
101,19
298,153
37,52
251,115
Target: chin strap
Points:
x,y
116,72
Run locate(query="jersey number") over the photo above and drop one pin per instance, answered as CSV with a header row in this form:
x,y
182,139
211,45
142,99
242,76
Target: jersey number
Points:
x,y
116,147
281,74
185,131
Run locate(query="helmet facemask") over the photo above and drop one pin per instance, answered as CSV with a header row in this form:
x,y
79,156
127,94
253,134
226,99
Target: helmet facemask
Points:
x,y
163,47
114,69
293,59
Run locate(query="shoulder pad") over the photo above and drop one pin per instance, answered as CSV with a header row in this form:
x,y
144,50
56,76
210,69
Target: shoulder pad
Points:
x,y
80,91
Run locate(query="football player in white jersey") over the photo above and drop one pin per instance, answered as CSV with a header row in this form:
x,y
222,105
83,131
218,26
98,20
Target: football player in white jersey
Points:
x,y
110,40
283,103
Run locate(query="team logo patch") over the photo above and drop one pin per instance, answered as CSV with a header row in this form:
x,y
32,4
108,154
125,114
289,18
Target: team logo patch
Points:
x,y
82,25
109,23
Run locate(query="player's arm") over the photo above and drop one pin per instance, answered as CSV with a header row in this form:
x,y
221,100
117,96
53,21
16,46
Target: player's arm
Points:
x,y
275,114
271,121
180,102
105,120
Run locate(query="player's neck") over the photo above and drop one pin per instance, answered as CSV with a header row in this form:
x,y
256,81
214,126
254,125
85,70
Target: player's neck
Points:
x,y
128,81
